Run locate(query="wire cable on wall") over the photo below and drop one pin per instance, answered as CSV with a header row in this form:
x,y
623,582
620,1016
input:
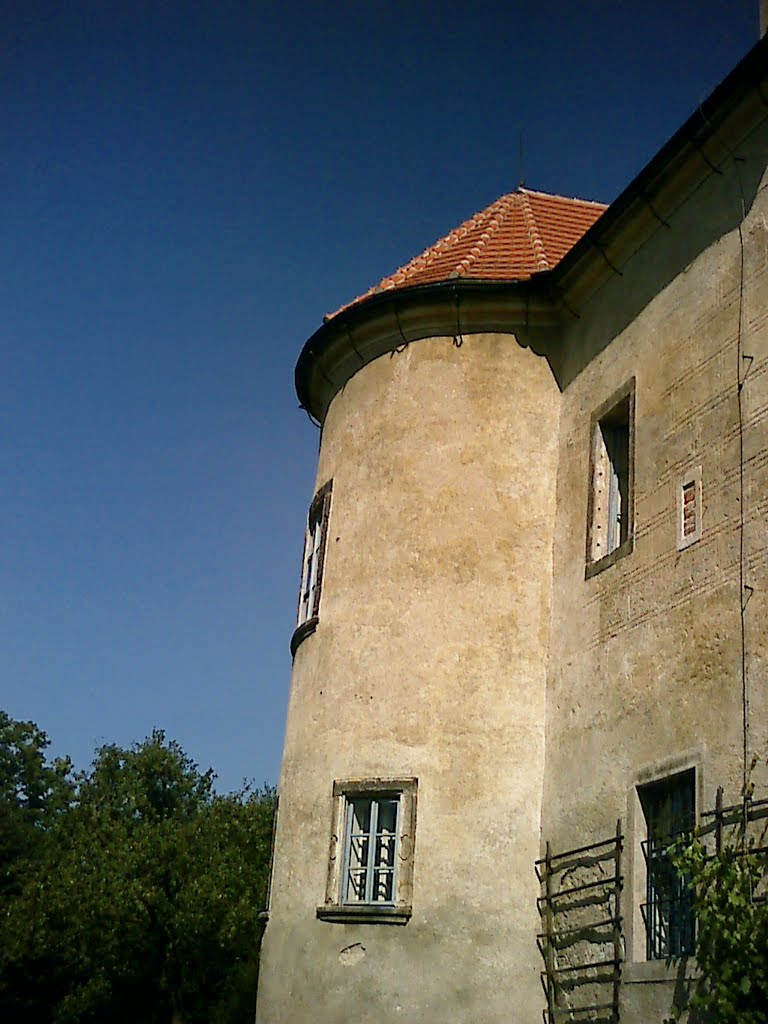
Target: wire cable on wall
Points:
x,y
745,590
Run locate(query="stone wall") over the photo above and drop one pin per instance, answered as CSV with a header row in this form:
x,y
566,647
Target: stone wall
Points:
x,y
645,671
428,662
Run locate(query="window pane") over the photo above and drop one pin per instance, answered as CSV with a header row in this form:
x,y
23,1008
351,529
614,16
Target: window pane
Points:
x,y
358,851
314,556
383,886
356,886
387,816
610,499
385,852
361,816
312,568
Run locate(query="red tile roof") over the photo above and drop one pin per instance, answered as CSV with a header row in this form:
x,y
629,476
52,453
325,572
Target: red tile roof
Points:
x,y
512,239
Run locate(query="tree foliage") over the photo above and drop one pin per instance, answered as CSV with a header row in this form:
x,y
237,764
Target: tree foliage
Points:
x,y
142,901
32,793
729,889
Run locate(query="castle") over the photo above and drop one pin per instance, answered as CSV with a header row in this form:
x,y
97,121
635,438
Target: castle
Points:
x,y
531,638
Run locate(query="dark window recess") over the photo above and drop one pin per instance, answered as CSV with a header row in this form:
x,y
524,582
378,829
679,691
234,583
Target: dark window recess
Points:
x,y
669,808
610,518
611,500
689,509
315,543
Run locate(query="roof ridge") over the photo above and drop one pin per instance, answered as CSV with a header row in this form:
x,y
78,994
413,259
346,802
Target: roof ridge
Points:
x,y
557,195
475,221
533,232
435,250
494,217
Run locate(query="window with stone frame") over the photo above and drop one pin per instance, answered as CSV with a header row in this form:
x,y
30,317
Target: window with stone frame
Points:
x,y
370,872
610,514
313,565
669,810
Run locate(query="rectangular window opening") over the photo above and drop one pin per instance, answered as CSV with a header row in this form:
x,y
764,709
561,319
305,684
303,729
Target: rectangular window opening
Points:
x,y
610,518
689,509
669,809
313,565
370,863
370,860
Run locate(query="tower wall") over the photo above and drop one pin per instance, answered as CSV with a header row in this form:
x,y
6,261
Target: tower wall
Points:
x,y
428,662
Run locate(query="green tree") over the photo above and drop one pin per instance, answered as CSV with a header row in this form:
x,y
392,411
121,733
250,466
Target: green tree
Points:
x,y
32,792
732,922
145,906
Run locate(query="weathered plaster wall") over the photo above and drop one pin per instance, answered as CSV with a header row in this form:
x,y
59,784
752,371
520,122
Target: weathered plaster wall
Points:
x,y
645,662
429,661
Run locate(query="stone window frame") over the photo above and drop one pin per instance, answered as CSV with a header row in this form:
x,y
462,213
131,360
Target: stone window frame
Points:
x,y
334,909
689,484
313,565
625,394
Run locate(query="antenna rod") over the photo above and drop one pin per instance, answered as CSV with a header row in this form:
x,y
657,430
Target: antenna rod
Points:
x,y
521,179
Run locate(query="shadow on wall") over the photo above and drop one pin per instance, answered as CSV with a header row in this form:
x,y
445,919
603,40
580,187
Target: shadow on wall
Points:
x,y
727,196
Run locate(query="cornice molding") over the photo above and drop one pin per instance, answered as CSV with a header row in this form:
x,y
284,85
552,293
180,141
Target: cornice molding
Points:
x,y
391,320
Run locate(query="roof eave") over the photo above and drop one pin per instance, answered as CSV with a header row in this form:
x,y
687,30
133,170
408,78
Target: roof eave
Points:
x,y
688,157
391,319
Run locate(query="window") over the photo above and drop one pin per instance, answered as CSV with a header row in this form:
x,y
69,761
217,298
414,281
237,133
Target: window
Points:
x,y
610,513
370,842
313,564
689,509
669,808
370,875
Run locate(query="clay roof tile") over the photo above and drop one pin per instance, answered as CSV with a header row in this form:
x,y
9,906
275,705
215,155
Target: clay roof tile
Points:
x,y
517,236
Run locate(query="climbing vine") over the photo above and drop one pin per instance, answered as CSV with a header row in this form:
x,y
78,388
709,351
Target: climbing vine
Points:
x,y
729,889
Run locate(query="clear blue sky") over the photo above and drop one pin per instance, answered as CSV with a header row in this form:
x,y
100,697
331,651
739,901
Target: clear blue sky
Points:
x,y
187,186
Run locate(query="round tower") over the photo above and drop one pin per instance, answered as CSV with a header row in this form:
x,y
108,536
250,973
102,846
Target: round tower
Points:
x,y
403,884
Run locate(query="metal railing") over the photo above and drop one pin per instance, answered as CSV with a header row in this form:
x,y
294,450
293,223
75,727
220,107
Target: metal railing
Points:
x,y
574,963
670,925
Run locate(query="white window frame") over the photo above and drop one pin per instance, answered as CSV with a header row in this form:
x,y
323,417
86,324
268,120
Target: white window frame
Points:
x,y
610,504
313,565
381,850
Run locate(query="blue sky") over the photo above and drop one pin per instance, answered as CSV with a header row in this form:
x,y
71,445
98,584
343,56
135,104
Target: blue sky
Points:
x,y
186,187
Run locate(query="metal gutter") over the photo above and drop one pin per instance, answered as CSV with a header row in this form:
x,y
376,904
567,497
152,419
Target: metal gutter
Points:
x,y
748,72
